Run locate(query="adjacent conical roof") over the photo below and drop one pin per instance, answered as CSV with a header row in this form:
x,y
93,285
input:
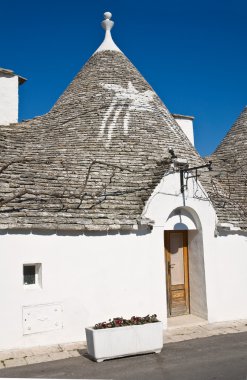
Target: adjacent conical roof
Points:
x,y
233,147
93,161
229,160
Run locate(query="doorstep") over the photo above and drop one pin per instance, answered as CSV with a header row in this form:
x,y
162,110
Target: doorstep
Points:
x,y
185,321
192,327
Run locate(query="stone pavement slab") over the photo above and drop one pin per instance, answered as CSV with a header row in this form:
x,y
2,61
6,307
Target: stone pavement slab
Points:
x,y
59,355
72,346
46,349
38,359
15,362
75,353
6,355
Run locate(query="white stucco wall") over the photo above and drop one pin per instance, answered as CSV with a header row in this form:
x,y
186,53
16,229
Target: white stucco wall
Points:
x,y
9,86
227,285
187,127
94,278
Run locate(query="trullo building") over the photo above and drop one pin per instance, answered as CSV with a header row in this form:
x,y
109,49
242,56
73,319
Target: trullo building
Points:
x,y
107,209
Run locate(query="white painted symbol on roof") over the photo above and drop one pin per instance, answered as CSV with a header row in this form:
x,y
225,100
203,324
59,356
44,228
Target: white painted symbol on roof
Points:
x,y
124,101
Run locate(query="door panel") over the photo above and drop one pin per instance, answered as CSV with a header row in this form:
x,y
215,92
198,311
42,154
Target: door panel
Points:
x,y
177,259
176,246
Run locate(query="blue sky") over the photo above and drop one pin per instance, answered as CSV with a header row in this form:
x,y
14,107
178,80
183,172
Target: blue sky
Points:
x,y
193,53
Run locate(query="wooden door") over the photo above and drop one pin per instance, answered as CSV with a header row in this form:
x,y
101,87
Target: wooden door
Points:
x,y
177,272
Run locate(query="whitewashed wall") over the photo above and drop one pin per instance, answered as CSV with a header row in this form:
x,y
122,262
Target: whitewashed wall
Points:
x,y
9,87
228,263
187,127
94,278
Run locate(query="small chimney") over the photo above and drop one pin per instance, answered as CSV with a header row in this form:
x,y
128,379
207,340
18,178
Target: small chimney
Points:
x,y
9,96
186,124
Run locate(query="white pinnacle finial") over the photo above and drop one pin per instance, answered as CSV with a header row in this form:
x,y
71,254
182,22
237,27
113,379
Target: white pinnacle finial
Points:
x,y
108,43
107,23
107,15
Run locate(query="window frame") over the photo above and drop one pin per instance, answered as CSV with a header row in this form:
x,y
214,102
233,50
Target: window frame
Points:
x,y
38,282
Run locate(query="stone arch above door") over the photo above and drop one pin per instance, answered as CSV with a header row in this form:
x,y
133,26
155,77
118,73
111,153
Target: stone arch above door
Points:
x,y
183,218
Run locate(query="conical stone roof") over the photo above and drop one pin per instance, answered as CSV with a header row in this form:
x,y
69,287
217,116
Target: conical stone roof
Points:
x,y
92,162
233,147
229,160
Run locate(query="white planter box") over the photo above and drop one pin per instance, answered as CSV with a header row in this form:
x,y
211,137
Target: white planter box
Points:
x,y
123,341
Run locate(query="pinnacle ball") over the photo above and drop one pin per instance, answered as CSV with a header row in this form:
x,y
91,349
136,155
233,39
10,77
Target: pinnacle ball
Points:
x,y
108,15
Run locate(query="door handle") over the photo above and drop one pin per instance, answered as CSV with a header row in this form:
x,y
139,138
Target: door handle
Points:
x,y
170,266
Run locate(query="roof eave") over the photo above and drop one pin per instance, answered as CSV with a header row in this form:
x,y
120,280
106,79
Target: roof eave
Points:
x,y
12,74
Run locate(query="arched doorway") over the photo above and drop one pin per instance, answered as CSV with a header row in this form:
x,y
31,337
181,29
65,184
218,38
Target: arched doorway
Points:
x,y
185,275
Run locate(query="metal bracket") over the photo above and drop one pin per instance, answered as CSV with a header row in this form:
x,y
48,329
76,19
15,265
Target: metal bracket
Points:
x,y
184,174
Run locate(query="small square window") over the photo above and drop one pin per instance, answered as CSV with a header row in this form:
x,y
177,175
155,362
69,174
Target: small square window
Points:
x,y
32,275
29,274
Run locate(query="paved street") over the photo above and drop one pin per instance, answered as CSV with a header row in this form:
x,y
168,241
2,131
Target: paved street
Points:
x,y
211,358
